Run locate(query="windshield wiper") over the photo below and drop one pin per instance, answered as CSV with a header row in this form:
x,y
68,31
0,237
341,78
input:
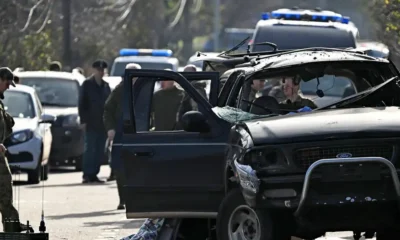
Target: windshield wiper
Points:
x,y
359,96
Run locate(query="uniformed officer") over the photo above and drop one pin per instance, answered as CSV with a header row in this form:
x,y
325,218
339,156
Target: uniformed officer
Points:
x,y
7,209
94,93
291,89
113,112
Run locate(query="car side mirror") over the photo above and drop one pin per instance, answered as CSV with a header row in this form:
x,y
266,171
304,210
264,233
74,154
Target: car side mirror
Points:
x,y
194,121
47,118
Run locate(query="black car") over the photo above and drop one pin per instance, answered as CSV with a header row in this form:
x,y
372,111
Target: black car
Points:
x,y
266,170
59,93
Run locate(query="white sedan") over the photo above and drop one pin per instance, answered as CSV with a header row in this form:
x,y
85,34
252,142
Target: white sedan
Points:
x,y
30,143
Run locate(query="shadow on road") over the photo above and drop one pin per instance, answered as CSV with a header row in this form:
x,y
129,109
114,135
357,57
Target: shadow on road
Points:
x,y
20,183
84,215
58,170
117,224
68,185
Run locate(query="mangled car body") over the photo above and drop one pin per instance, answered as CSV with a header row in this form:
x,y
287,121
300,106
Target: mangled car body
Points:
x,y
266,169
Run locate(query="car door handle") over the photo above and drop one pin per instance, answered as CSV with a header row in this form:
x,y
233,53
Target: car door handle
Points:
x,y
143,153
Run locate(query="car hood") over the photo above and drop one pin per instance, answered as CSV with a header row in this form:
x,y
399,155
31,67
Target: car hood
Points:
x,y
59,111
326,125
25,123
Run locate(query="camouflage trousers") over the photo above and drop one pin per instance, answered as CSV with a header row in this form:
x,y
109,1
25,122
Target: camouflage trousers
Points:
x,y
7,209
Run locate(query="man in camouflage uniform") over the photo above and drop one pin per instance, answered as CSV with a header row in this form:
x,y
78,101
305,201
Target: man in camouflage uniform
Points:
x,y
113,112
7,209
291,89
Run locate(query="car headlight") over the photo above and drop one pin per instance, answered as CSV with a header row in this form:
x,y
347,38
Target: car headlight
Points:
x,y
22,136
71,121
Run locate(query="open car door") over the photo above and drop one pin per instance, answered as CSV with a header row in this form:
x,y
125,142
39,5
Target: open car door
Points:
x,y
173,173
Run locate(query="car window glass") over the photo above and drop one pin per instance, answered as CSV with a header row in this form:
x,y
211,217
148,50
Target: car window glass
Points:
x,y
162,107
302,37
54,91
19,104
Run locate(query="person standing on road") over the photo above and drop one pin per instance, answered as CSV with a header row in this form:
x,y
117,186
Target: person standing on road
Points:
x,y
7,209
93,95
112,113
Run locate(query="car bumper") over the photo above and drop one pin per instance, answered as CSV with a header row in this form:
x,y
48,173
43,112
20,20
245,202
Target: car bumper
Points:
x,y
26,155
67,145
335,194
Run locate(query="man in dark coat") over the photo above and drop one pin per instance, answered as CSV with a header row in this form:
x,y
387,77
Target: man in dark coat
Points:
x,y
93,95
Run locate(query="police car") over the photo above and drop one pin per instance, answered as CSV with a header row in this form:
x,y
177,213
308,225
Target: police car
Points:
x,y
298,28
373,48
157,59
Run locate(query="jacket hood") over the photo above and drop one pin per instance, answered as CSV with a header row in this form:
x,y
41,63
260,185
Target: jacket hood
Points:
x,y
326,125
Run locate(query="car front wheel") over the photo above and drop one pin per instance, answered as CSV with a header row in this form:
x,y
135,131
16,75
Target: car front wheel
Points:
x,y
238,221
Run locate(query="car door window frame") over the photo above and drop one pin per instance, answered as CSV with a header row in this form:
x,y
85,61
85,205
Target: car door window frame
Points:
x,y
129,118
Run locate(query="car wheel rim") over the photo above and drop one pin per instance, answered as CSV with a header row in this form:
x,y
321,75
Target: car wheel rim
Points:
x,y
244,224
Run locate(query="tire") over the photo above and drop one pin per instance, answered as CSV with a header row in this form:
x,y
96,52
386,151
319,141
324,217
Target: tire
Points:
x,y
34,175
235,217
44,176
78,164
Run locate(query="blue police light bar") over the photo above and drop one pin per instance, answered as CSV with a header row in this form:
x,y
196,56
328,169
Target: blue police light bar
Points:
x,y
345,20
315,16
145,52
265,16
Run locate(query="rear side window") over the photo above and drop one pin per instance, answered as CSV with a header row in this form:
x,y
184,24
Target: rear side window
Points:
x,y
295,37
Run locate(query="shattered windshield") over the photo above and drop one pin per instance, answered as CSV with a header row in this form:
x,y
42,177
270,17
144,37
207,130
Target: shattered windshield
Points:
x,y
302,88
234,115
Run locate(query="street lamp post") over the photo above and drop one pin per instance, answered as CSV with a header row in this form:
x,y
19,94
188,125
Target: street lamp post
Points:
x,y
217,23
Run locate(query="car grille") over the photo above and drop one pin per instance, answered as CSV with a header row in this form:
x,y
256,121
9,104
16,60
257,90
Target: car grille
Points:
x,y
307,156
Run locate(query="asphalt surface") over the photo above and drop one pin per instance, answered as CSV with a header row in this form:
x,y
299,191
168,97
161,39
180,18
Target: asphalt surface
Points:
x,y
75,211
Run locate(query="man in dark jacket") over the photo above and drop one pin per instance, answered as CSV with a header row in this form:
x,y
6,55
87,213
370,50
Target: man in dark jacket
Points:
x,y
94,93
165,106
112,114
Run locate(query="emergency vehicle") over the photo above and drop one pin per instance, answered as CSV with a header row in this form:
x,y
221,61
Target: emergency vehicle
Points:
x,y
157,59
302,28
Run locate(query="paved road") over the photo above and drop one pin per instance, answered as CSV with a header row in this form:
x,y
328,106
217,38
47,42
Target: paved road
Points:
x,y
74,211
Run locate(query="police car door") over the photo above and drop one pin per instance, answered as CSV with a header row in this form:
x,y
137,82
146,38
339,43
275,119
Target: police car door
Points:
x,y
170,173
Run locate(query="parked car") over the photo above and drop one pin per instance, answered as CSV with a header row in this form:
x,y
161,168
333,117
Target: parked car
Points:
x,y
59,92
30,144
267,170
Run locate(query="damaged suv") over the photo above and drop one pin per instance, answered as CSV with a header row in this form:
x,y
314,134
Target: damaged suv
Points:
x,y
269,170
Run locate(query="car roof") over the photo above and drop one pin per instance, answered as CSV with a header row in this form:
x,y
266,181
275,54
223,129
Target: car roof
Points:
x,y
298,57
22,88
50,74
152,59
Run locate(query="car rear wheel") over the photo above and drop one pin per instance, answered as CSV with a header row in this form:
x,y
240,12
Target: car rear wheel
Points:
x,y
238,221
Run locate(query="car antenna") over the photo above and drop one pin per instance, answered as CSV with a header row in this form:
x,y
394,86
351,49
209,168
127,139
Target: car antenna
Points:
x,y
235,47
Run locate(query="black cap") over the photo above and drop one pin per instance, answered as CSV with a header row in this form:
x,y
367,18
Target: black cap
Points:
x,y
100,64
6,74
